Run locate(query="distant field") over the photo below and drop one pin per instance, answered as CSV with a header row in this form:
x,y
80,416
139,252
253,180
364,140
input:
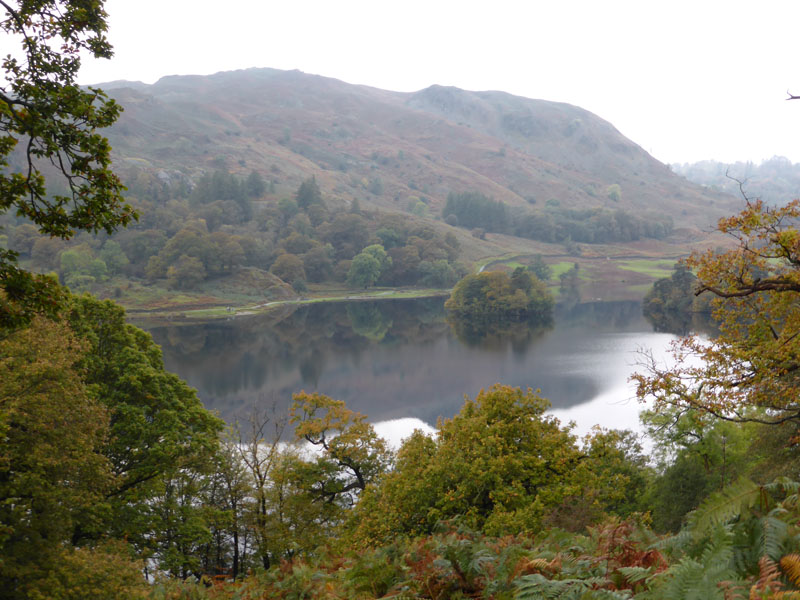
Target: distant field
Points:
x,y
561,267
657,268
514,264
643,288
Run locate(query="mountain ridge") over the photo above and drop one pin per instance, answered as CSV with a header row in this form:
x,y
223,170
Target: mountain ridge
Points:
x,y
389,148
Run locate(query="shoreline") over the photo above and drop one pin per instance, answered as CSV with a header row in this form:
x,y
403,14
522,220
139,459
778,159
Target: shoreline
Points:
x,y
199,315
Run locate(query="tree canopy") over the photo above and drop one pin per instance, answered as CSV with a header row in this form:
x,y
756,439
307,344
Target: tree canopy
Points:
x,y
495,294
501,465
473,209
353,456
97,441
53,477
48,124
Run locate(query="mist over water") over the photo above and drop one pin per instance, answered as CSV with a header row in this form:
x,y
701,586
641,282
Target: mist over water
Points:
x,y
404,366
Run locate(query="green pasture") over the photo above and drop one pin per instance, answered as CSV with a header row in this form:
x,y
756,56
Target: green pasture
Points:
x,y
656,268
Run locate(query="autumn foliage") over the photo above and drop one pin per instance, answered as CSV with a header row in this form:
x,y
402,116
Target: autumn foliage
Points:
x,y
749,372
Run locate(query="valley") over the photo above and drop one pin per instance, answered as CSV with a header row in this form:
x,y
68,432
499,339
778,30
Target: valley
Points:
x,y
214,167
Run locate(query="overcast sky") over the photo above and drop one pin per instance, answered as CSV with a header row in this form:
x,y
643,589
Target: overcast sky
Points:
x,y
686,80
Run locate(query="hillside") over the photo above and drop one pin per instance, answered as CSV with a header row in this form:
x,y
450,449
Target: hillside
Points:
x,y
390,149
431,185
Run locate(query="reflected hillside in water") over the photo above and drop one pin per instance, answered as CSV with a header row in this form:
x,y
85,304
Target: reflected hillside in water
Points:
x,y
394,358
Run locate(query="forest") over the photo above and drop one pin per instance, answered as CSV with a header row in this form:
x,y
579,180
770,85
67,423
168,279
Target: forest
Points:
x,y
115,481
554,223
183,239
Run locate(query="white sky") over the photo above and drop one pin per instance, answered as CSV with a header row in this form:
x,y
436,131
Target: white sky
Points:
x,y
686,80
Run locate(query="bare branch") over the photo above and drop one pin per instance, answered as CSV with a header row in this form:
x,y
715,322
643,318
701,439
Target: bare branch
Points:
x,y
741,183
760,285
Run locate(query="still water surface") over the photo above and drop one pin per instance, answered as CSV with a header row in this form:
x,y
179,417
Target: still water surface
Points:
x,y
399,361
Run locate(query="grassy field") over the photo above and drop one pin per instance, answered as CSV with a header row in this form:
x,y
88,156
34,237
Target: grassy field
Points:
x,y
560,268
656,268
642,288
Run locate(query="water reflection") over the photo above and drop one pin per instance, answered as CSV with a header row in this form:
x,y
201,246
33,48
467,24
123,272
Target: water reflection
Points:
x,y
682,322
499,334
397,359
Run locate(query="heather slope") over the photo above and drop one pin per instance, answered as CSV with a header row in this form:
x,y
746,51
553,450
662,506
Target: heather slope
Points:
x,y
388,149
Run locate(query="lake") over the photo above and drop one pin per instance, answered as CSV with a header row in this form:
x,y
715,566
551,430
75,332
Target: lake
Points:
x,y
402,364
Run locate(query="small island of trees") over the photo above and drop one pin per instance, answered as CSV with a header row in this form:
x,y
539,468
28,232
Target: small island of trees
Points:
x,y
672,306
495,295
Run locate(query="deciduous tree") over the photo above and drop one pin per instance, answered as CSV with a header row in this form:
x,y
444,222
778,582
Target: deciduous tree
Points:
x,y
437,273
255,185
53,475
353,455
501,465
541,269
751,370
158,425
186,273
364,271
51,124
317,263
289,268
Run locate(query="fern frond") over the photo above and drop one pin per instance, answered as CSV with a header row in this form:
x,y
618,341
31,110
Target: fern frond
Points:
x,y
569,563
768,583
700,579
608,595
683,578
747,540
783,484
722,506
718,552
732,590
536,587
767,570
671,543
527,566
774,532
791,567
635,574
